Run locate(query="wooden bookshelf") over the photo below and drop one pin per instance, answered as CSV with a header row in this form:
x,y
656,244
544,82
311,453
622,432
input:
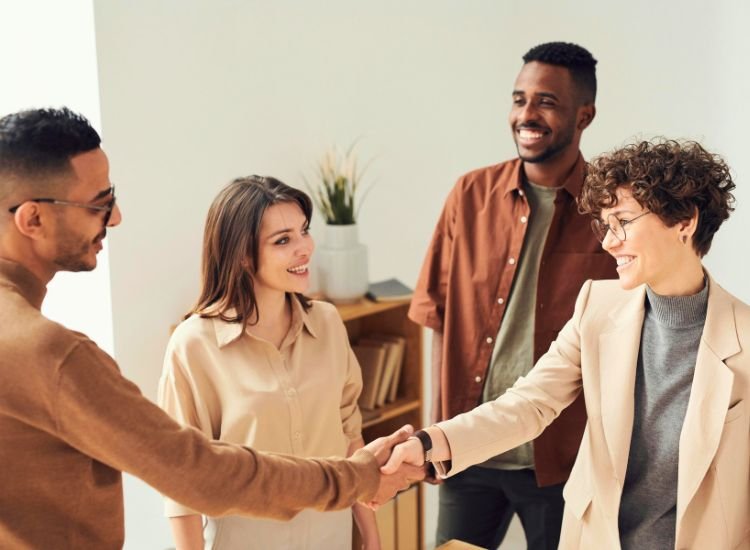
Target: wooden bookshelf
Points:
x,y
396,523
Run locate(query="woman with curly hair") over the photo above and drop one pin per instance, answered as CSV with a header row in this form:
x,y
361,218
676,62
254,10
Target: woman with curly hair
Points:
x,y
663,359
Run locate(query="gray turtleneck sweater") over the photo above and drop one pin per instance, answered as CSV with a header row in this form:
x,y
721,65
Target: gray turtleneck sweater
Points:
x,y
671,334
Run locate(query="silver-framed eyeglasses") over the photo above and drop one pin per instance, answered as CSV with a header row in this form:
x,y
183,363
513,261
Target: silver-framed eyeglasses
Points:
x,y
615,225
106,208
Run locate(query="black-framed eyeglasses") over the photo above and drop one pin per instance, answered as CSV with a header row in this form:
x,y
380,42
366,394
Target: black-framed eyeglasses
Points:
x,y
615,225
106,208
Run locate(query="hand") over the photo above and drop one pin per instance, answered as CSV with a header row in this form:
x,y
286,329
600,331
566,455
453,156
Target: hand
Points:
x,y
430,475
382,446
409,452
390,484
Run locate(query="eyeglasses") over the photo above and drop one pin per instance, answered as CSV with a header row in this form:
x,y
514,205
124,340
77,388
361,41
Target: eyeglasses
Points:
x,y
106,208
616,225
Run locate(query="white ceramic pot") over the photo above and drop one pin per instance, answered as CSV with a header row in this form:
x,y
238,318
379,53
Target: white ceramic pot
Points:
x,y
342,264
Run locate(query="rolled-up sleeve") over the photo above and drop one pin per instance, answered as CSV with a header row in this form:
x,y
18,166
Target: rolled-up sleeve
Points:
x,y
351,417
175,396
428,303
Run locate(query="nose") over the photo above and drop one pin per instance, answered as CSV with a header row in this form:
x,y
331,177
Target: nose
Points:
x,y
610,241
306,247
528,112
115,217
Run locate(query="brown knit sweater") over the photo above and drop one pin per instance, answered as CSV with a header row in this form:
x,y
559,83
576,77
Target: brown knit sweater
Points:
x,y
70,423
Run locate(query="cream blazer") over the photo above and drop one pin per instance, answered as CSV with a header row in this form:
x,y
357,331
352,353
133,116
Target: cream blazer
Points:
x,y
597,351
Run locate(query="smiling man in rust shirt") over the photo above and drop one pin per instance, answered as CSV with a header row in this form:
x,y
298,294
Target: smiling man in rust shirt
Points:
x,y
69,421
507,259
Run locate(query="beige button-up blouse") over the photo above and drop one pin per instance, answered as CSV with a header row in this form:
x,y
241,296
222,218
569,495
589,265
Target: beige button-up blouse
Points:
x,y
300,399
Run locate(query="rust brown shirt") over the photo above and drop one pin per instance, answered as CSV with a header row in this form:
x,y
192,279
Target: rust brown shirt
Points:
x,y
466,278
70,423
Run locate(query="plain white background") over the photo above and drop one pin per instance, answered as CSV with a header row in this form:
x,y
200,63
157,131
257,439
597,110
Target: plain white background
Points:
x,y
48,58
193,93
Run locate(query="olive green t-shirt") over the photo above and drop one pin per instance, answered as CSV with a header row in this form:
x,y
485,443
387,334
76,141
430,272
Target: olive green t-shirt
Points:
x,y
513,355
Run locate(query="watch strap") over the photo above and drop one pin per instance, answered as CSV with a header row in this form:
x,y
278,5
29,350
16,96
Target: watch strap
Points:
x,y
426,441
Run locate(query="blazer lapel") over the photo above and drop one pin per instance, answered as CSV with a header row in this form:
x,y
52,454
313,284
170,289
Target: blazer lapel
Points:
x,y
709,396
618,357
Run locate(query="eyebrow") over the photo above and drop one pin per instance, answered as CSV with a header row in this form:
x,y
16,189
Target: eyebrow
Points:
x,y
617,213
103,193
287,230
538,94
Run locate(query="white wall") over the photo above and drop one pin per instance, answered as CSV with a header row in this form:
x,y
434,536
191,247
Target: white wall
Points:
x,y
195,93
48,58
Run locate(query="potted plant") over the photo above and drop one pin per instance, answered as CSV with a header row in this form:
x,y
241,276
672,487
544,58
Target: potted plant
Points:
x,y
342,259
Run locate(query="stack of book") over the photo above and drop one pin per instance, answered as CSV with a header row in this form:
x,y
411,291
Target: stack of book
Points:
x,y
380,357
389,290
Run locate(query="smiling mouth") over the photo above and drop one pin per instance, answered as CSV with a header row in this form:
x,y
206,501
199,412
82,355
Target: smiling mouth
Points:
x,y
299,270
624,260
530,135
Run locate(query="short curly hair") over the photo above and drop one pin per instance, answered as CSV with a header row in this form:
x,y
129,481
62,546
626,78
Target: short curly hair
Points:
x,y
577,59
670,178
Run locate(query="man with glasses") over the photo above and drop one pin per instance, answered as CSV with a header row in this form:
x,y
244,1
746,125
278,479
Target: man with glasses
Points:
x,y
507,259
69,422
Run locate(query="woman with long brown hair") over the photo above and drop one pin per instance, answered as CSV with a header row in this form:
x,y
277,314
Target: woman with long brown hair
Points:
x,y
257,363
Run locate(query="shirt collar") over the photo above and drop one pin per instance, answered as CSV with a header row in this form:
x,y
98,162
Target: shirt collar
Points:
x,y
15,275
572,183
227,332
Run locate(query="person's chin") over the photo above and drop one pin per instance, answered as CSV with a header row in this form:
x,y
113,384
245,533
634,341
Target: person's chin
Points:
x,y
533,155
90,261
628,283
302,288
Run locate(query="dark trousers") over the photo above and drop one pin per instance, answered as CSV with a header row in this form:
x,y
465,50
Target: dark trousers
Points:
x,y
476,506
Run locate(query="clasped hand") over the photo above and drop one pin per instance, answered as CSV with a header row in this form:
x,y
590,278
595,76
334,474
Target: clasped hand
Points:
x,y
396,472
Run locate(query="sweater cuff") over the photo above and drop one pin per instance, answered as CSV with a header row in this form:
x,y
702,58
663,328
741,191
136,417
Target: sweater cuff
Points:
x,y
368,471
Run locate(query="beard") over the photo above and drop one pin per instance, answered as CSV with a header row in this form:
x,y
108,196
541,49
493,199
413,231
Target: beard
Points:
x,y
74,251
563,141
74,257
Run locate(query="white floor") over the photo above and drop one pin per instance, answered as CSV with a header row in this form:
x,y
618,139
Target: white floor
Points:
x,y
514,540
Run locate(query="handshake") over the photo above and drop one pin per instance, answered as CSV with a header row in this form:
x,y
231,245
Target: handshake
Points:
x,y
401,464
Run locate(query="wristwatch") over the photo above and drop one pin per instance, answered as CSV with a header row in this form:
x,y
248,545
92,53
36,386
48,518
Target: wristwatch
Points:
x,y
426,441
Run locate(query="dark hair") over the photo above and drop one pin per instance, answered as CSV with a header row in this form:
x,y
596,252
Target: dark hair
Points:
x,y
577,59
672,179
230,239
40,142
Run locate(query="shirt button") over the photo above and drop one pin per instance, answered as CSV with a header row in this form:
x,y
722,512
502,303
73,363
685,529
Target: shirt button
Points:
x,y
290,393
520,192
489,339
500,301
512,261
478,379
297,435
524,219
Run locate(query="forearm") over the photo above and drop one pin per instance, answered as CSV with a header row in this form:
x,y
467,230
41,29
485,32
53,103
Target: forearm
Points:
x,y
187,532
364,516
368,527
106,417
437,365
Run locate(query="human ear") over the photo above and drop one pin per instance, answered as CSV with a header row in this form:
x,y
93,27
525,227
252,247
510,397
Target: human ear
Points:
x,y
28,220
586,114
688,227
